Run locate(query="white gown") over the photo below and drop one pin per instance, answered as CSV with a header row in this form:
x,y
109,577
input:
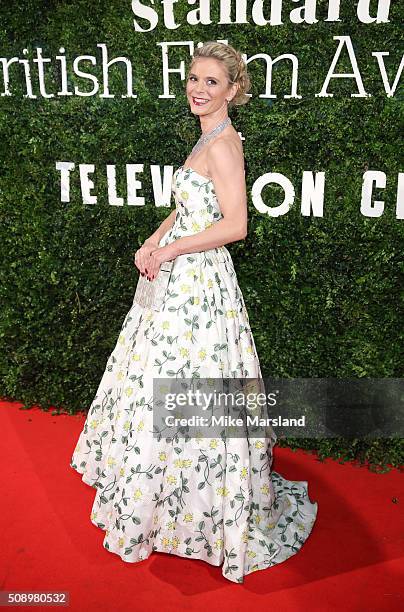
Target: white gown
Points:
x,y
201,499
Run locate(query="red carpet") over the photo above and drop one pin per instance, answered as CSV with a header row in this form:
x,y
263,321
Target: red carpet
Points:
x,y
353,559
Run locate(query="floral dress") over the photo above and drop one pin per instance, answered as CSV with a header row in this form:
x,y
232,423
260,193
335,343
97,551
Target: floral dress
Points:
x,y
201,498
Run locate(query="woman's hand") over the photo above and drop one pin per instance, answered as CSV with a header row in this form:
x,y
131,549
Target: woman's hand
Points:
x,y
142,256
159,256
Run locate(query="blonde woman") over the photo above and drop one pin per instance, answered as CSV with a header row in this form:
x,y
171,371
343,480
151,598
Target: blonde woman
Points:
x,y
209,497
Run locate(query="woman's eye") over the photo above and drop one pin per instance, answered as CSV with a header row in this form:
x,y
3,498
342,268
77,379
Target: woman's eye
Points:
x,y
209,80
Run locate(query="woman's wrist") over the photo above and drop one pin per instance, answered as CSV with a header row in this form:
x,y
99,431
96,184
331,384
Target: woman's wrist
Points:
x,y
177,247
151,241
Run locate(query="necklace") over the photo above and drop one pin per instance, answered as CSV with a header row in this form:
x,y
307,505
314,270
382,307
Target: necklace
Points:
x,y
207,137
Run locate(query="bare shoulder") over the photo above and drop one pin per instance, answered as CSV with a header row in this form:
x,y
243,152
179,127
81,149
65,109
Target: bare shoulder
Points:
x,y
226,153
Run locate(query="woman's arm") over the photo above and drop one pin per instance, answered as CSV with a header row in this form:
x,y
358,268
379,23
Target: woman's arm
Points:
x,y
220,233
162,229
227,172
142,255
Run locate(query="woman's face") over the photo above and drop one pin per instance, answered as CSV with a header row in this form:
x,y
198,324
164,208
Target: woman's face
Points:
x,y
208,83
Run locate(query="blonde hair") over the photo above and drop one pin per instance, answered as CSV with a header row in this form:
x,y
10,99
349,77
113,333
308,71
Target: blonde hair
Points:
x,y
234,64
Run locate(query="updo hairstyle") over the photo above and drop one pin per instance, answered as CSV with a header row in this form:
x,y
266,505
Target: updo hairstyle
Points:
x,y
234,64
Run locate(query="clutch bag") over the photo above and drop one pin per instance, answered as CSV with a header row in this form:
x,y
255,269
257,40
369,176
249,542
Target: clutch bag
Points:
x,y
151,294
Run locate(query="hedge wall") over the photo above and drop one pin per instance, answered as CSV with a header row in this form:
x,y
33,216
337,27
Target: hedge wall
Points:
x,y
323,294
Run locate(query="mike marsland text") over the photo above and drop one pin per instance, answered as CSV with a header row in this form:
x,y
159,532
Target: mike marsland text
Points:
x,y
229,421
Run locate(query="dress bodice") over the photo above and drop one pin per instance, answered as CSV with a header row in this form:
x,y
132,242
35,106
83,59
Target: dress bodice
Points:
x,y
196,202
197,207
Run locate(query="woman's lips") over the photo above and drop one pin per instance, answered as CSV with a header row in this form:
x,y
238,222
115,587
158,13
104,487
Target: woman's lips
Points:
x,y
198,101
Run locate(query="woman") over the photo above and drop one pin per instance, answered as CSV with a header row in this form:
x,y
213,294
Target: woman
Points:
x,y
213,498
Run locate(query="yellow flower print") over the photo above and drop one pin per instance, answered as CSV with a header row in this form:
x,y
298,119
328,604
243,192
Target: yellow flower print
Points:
x,y
219,544
202,354
171,479
251,554
191,272
122,472
258,444
213,443
93,516
149,315
175,542
183,463
137,494
166,324
258,518
196,227
184,195
94,423
140,426
265,489
250,350
288,503
255,568
135,357
171,525
271,526
222,491
155,519
199,435
188,518
121,339
196,300
128,391
184,352
185,288
188,335
126,425
208,224
244,536
121,542
221,365
243,472
230,314
210,283
252,387
163,456
120,375
111,461
165,542
300,527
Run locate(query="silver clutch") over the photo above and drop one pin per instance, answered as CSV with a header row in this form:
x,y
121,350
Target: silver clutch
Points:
x,y
151,294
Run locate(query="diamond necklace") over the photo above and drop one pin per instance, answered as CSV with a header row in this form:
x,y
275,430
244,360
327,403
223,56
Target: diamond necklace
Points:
x,y
207,137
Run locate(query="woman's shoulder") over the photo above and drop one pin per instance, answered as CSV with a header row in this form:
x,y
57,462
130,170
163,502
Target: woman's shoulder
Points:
x,y
227,146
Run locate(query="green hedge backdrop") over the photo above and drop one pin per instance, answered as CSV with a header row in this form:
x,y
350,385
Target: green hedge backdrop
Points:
x,y
323,294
